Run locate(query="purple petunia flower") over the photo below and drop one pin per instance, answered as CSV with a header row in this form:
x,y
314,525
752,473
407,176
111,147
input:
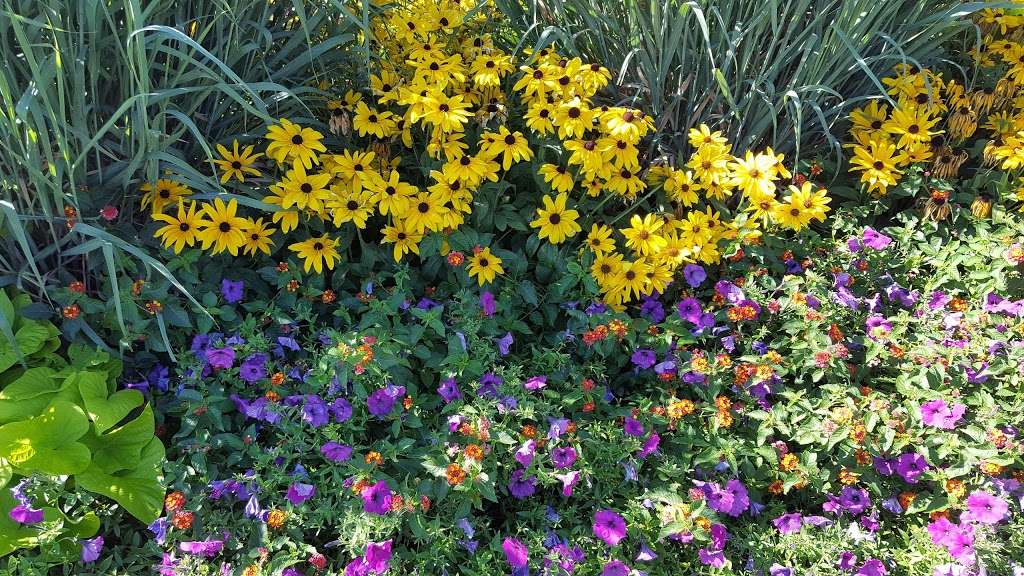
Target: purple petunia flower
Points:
x,y
382,401
788,523
535,382
159,529
314,411
489,384
779,570
524,455
505,344
521,488
872,567
299,493
650,445
713,558
336,452
690,310
25,515
516,553
910,466
985,508
644,358
645,554
220,357
875,240
449,390
487,303
694,275
253,368
652,308
91,549
847,561
877,326
377,498
563,456
568,481
632,427
231,290
854,500
341,409
378,556
609,527
615,568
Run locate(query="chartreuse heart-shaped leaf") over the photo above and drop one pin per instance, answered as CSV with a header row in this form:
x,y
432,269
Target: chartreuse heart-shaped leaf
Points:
x,y
106,411
29,394
48,443
120,448
138,490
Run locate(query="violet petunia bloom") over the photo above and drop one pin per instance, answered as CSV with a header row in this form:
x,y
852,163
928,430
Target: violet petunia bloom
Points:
x,y
877,326
615,568
690,310
487,303
788,523
910,466
159,529
524,455
713,558
694,275
847,561
299,493
382,401
505,344
779,570
449,390
609,527
377,498
854,500
568,481
564,456
341,409
645,554
650,445
875,240
91,549
221,358
516,553
632,427
232,291
253,368
644,358
522,488
314,411
872,567
985,508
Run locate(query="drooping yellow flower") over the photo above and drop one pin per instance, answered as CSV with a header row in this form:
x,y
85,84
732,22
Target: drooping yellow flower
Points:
x,y
642,235
556,223
405,240
223,228
235,164
317,252
181,231
257,237
165,192
484,266
292,142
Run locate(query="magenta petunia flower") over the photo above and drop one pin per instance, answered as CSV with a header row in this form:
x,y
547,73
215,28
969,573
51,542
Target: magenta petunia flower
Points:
x,y
939,414
24,515
521,488
206,548
378,556
609,526
377,498
449,390
872,567
690,310
487,303
516,552
524,455
910,466
694,275
535,382
632,426
615,568
986,508
713,558
568,481
875,240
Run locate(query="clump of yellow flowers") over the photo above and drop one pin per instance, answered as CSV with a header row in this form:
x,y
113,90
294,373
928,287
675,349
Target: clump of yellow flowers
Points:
x,y
448,112
933,121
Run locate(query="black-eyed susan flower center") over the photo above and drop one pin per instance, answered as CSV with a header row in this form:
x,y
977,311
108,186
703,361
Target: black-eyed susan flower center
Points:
x,y
306,188
352,205
484,263
297,139
876,125
184,227
606,269
318,246
443,108
626,174
538,75
434,66
373,118
574,112
510,140
628,116
165,193
544,113
401,235
224,227
554,219
423,207
914,129
390,190
878,165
